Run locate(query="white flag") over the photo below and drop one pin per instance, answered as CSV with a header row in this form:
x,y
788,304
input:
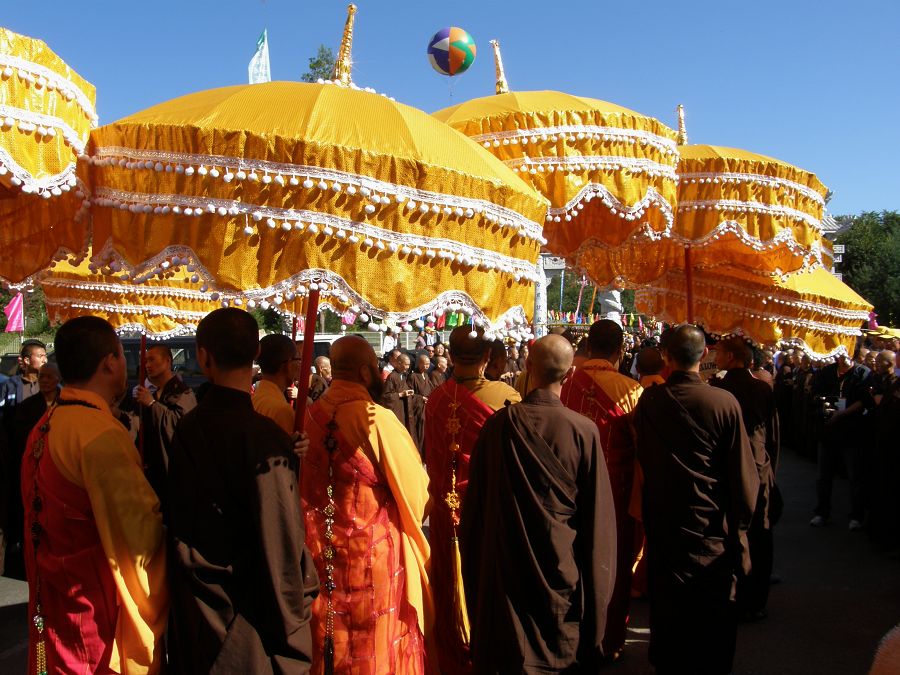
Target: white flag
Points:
x,y
259,64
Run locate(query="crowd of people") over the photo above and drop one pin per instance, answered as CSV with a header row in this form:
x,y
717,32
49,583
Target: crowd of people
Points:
x,y
469,507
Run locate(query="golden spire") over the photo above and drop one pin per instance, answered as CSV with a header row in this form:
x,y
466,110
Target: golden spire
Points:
x,y
343,63
502,84
682,130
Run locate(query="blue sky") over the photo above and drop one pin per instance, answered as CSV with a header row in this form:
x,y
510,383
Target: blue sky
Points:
x,y
812,83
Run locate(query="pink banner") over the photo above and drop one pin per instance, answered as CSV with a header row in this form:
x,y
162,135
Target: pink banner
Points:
x,y
15,314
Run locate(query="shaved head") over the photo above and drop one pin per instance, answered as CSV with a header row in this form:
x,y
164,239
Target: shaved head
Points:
x,y
686,346
468,350
348,355
550,359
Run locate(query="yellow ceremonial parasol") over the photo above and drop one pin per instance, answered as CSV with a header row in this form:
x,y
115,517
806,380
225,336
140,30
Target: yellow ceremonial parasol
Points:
x,y
161,307
269,190
742,210
46,114
811,309
608,172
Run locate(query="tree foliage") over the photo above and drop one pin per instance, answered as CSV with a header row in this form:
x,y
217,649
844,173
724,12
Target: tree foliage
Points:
x,y
321,66
871,264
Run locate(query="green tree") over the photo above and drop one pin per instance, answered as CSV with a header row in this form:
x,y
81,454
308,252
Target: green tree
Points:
x,y
321,66
871,264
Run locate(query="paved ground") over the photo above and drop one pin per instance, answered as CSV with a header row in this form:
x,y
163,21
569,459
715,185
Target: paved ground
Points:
x,y
838,598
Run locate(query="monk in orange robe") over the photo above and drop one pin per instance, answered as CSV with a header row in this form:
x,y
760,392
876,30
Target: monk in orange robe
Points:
x,y
364,493
598,391
454,415
95,559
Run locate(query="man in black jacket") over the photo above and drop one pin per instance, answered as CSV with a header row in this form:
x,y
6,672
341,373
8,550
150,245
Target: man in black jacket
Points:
x,y
848,384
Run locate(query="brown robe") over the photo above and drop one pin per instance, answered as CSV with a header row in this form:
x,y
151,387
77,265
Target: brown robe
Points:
x,y
159,422
538,540
242,581
410,409
760,416
700,490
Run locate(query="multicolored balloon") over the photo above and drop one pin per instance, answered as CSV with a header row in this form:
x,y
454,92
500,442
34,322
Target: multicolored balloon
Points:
x,y
451,51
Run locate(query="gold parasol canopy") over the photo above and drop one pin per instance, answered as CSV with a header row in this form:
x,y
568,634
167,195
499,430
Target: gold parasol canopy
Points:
x,y
46,114
811,309
264,190
608,172
161,307
746,210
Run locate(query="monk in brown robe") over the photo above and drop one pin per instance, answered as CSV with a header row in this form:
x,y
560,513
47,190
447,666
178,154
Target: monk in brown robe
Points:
x,y
600,392
538,531
242,581
454,415
401,398
700,488
760,415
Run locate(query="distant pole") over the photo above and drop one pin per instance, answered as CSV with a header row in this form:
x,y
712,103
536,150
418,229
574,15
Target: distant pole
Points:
x,y
562,280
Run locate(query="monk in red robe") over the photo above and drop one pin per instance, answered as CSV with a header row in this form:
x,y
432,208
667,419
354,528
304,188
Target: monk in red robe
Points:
x,y
454,415
598,391
364,493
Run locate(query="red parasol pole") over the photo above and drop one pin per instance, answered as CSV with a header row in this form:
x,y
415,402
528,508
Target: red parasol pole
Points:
x,y
309,334
294,323
689,282
142,375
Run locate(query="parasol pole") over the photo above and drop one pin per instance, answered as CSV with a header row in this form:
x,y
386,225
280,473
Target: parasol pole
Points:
x,y
502,84
688,266
142,375
309,334
593,299
689,283
342,67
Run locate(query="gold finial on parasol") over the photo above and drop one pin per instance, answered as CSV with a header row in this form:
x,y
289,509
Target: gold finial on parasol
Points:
x,y
682,130
343,63
502,84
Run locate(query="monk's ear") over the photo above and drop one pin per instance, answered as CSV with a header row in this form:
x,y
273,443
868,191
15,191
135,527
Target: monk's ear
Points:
x,y
569,373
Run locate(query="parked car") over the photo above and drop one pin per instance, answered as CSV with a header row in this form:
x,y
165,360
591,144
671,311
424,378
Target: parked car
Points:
x,y
9,364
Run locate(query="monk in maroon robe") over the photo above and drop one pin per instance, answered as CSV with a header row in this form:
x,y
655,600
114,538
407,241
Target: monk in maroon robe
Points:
x,y
600,392
454,415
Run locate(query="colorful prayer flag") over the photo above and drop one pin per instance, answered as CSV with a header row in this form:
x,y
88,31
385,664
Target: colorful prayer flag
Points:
x,y
259,65
15,314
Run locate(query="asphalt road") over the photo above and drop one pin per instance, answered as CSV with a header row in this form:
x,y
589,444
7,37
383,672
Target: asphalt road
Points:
x,y
838,597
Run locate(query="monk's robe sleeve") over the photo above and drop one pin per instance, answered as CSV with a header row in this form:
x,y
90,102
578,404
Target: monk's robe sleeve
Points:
x,y
773,439
290,566
130,525
743,485
595,548
167,415
390,446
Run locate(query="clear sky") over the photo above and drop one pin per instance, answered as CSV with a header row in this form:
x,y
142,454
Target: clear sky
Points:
x,y
816,84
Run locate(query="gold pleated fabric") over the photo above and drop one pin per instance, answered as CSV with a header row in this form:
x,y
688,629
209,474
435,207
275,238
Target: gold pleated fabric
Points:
x,y
161,307
746,210
811,309
608,172
266,189
46,114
